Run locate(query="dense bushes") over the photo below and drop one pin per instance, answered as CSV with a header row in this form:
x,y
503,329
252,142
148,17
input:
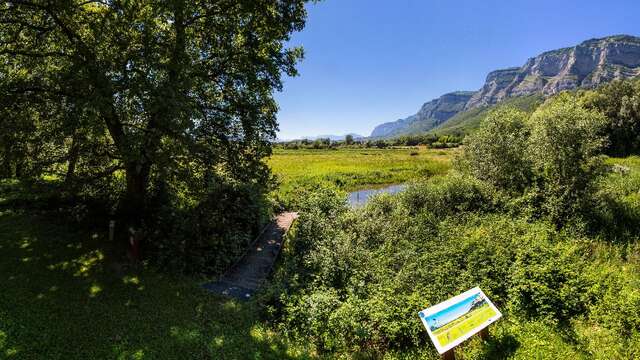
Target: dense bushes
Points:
x,y
564,146
535,216
207,236
354,280
551,160
497,154
511,221
619,101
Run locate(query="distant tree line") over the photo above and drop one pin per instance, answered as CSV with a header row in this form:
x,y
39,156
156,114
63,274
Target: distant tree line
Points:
x,y
430,140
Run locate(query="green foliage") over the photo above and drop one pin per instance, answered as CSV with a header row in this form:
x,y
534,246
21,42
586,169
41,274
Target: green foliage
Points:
x,y
551,159
353,281
211,235
430,140
348,140
497,154
148,94
564,146
547,282
619,101
450,195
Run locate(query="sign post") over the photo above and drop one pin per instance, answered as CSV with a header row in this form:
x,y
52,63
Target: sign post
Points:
x,y
451,322
449,355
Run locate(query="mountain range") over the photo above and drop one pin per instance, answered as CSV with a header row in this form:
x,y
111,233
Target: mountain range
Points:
x,y
330,137
587,65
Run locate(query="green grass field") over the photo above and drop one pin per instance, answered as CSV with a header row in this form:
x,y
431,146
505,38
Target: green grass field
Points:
x,y
353,169
461,326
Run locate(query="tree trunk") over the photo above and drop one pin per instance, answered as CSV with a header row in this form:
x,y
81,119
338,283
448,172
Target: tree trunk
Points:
x,y
132,209
7,166
74,153
19,163
137,176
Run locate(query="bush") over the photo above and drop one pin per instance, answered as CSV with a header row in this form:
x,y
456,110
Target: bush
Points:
x,y
496,153
547,280
564,149
549,163
353,281
448,195
211,235
373,269
619,101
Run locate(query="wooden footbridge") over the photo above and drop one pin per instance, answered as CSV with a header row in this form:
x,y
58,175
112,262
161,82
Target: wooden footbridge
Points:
x,y
243,279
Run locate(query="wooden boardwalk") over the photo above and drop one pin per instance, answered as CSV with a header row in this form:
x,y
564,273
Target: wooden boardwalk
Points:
x,y
243,279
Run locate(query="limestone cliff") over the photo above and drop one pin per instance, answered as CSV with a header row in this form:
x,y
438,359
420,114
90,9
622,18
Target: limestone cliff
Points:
x,y
586,65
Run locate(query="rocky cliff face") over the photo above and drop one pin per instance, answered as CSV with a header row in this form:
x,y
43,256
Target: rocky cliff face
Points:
x,y
430,115
587,65
583,66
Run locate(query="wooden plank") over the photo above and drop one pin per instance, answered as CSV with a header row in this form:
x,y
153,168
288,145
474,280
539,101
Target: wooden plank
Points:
x,y
252,270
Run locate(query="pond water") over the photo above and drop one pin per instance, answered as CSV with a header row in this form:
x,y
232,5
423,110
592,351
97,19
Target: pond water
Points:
x,y
360,197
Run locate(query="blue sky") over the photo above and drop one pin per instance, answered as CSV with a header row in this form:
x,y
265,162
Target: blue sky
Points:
x,y
453,312
373,61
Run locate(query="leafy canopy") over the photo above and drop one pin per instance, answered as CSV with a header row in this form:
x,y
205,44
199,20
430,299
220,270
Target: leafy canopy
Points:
x,y
158,88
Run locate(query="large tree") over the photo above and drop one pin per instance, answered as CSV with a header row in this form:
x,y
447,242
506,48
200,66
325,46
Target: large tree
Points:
x,y
152,85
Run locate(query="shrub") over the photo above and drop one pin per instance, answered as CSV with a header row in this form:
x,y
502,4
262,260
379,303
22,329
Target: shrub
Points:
x,y
373,269
619,101
547,281
496,153
564,148
211,235
447,195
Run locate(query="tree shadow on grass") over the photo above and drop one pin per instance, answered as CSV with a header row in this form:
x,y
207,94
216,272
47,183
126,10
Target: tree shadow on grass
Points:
x,y
62,300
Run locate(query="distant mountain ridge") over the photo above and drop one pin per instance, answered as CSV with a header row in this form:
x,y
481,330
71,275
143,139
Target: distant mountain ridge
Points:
x,y
432,114
330,137
587,65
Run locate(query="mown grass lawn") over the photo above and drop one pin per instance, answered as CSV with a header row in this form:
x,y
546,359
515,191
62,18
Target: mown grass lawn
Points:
x,y
62,298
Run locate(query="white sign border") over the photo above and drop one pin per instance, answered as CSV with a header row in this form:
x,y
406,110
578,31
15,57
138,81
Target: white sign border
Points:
x,y
443,305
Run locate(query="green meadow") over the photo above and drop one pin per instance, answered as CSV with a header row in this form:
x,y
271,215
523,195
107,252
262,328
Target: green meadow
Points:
x,y
352,169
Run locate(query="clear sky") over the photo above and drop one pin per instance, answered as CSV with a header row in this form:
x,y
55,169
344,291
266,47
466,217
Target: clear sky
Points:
x,y
373,61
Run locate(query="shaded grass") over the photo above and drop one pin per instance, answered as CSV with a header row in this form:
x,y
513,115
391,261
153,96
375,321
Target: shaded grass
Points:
x,y
62,298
